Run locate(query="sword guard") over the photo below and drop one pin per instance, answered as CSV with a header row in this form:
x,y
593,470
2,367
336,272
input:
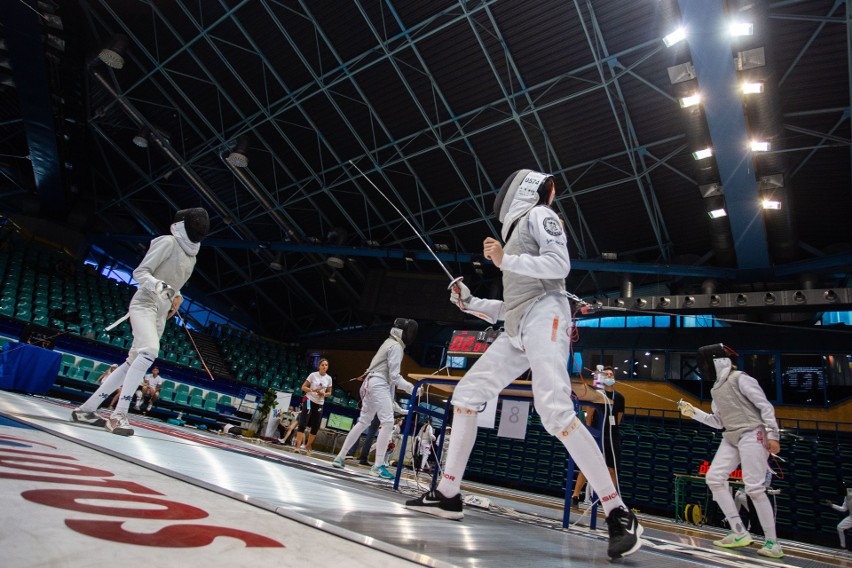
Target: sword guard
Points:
x,y
455,282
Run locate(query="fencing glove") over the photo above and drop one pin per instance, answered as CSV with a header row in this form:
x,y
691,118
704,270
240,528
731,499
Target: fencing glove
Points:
x,y
164,291
686,408
460,294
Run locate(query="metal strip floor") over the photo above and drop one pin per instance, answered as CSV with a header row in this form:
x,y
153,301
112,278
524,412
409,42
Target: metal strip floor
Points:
x,y
298,507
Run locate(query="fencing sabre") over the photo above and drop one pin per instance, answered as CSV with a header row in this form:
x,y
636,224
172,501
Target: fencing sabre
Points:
x,y
454,280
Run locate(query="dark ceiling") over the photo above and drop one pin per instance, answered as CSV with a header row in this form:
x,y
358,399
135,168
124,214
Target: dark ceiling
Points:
x,y
437,103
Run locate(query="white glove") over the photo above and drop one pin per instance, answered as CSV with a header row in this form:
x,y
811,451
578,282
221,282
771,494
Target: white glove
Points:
x,y
686,408
459,294
164,291
397,409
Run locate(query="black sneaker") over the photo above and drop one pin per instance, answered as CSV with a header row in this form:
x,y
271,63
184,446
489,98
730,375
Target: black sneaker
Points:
x,y
575,501
78,415
434,503
624,533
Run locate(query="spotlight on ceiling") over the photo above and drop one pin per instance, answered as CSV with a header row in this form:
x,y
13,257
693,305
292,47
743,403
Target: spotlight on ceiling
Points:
x,y
770,204
769,298
335,262
741,29
830,296
276,264
701,154
141,139
239,155
113,51
689,301
759,146
717,213
715,300
609,255
799,297
752,88
742,300
675,37
641,302
665,302
619,303
690,101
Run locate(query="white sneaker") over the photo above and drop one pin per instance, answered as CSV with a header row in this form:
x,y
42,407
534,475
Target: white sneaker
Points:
x,y
771,549
734,540
302,449
118,424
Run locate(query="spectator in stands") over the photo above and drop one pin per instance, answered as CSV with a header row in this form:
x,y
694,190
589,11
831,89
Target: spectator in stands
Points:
x,y
285,420
166,267
149,391
750,434
846,507
607,417
316,387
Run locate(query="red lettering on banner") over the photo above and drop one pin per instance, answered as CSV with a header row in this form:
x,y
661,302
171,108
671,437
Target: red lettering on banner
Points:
x,y
18,462
15,439
69,499
104,483
175,536
609,497
172,536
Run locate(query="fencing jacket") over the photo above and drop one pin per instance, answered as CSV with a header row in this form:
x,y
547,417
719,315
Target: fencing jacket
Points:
x,y
739,406
536,262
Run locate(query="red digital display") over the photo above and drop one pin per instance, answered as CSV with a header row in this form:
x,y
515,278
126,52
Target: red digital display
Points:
x,y
470,342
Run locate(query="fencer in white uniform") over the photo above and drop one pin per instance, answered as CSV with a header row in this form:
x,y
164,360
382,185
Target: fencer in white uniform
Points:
x,y
537,336
751,434
846,523
425,438
381,379
166,267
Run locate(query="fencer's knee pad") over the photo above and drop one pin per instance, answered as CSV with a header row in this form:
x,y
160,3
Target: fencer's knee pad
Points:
x,y
465,411
716,480
569,429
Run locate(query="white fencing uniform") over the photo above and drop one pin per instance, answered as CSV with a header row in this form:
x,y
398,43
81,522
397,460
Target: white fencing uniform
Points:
x,y
740,408
166,267
846,523
537,337
425,438
383,377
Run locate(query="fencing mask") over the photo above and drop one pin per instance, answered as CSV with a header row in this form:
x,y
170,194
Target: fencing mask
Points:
x,y
707,357
405,329
522,191
195,221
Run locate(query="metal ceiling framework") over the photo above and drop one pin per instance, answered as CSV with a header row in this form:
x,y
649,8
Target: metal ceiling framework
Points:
x,y
437,102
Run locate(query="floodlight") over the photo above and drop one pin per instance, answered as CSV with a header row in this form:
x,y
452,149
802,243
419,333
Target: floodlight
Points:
x,y
741,29
717,213
752,88
691,100
674,37
759,146
701,154
771,204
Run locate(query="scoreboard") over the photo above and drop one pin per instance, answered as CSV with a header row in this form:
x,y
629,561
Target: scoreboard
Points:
x,y
471,343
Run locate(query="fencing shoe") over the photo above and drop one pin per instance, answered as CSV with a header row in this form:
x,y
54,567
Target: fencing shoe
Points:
x,y
434,503
382,472
624,533
78,415
771,549
338,463
118,424
734,540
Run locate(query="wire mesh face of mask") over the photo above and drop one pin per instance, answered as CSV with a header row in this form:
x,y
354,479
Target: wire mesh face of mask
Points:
x,y
408,328
195,221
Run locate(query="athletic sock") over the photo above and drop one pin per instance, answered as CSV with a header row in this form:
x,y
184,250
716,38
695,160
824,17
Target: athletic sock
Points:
x,y
464,437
